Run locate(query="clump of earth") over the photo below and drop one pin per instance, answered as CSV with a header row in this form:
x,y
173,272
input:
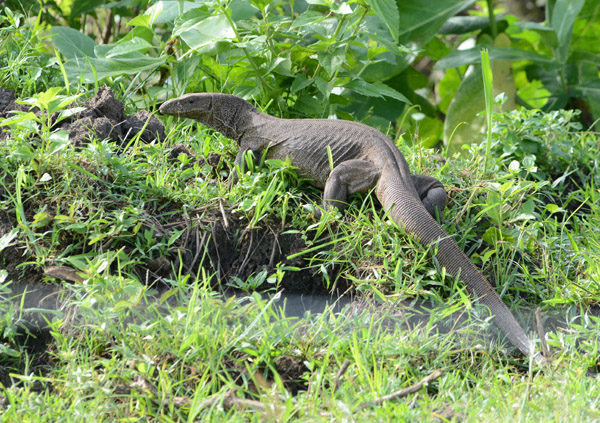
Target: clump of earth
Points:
x,y
104,117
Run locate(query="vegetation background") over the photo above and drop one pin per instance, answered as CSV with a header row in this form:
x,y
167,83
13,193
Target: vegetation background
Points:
x,y
122,226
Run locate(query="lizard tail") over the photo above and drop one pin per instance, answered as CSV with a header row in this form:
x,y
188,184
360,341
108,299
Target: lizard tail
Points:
x,y
408,212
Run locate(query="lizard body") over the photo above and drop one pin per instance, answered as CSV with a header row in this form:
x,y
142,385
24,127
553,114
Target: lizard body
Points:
x,y
363,158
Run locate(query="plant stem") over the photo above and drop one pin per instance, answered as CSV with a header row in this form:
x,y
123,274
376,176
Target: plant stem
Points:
x,y
263,82
493,26
488,90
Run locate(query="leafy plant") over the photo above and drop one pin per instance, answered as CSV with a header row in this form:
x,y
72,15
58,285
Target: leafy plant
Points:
x,y
25,64
545,65
545,145
319,59
37,127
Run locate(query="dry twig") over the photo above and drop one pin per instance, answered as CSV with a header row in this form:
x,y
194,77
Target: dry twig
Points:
x,y
338,378
406,391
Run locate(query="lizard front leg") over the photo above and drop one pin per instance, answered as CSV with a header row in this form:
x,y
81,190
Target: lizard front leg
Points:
x,y
239,164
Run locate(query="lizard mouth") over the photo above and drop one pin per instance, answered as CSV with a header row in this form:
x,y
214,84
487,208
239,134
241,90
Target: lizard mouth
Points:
x,y
166,108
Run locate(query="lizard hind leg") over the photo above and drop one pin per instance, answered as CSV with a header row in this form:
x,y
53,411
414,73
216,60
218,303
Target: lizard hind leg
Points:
x,y
432,193
347,178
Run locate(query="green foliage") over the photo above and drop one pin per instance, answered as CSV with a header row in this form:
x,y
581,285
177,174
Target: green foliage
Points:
x,y
25,64
545,146
349,60
548,69
282,54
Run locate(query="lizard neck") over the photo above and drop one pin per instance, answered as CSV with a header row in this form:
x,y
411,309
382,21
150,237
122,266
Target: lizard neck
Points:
x,y
233,116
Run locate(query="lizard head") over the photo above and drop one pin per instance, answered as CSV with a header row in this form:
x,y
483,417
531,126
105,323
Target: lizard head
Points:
x,y
194,106
225,113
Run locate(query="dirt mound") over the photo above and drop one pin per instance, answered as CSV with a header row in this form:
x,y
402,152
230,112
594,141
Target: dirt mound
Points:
x,y
104,117
214,239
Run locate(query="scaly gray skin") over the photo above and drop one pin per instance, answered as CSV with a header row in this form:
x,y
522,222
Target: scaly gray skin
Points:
x,y
363,158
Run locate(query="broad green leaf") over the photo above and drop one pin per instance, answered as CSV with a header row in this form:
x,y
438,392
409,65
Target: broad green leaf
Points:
x,y
242,10
107,51
464,24
24,153
420,20
168,11
82,7
50,100
141,21
551,81
472,56
17,118
590,11
105,68
376,89
154,13
331,61
377,112
464,109
588,88
563,16
534,94
586,34
341,8
592,98
546,33
203,31
308,17
190,20
299,83
61,102
122,3
493,235
464,122
387,11
59,140
254,45
407,83
138,32
430,131
45,99
447,88
63,114
72,43
436,49
309,105
323,86
387,64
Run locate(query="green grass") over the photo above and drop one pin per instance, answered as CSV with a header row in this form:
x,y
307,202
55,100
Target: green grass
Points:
x,y
125,355
121,351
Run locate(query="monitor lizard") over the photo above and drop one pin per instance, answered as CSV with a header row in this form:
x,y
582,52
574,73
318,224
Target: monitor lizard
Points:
x,y
363,158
